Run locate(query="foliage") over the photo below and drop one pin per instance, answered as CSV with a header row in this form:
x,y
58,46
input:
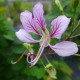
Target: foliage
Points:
x,y
11,48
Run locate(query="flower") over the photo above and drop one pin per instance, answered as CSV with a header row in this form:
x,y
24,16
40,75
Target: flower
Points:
x,y
37,25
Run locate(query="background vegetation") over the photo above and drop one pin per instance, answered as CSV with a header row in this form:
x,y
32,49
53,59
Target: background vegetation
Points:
x,y
11,48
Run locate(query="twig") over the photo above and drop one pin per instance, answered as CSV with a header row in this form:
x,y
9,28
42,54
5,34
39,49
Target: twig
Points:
x,y
78,25
77,54
75,36
78,45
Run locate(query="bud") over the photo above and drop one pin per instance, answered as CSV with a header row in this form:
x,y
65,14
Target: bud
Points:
x,y
28,46
57,2
51,71
74,5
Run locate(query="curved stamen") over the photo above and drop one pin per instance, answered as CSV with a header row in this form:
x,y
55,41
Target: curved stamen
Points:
x,y
33,62
14,62
31,55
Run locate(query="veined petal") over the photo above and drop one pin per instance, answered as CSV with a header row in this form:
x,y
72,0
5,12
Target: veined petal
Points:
x,y
59,25
34,61
65,48
38,13
28,22
25,36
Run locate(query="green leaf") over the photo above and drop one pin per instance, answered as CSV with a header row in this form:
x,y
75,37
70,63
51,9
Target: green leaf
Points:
x,y
67,78
63,67
35,72
10,35
18,49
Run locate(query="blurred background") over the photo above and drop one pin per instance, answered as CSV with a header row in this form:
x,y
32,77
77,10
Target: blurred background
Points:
x,y
11,48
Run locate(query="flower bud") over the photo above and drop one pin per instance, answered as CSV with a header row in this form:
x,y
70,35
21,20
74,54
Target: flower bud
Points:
x,y
57,2
74,5
28,46
51,71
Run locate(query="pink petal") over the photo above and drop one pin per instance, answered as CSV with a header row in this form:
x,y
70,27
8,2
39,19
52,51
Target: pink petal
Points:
x,y
25,36
65,48
38,13
28,22
60,25
34,61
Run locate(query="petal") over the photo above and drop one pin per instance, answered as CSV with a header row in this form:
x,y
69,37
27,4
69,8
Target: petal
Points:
x,y
28,22
25,36
34,61
65,48
59,24
38,13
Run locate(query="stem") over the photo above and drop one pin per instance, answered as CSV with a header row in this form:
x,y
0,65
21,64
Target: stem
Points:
x,y
78,25
77,54
46,58
75,36
14,62
78,45
42,63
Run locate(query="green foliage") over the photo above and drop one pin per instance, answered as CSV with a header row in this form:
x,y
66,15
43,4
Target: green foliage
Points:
x,y
35,72
67,78
74,4
11,48
63,67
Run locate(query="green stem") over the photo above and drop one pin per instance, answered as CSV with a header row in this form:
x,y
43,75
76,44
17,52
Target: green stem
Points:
x,y
42,63
46,58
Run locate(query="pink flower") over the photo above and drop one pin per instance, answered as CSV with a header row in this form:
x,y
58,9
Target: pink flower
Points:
x,y
37,25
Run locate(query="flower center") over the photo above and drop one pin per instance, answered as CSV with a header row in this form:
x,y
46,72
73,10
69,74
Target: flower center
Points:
x,y
46,37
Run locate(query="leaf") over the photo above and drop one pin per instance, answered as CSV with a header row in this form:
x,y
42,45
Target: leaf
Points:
x,y
10,35
35,72
67,78
63,67
18,49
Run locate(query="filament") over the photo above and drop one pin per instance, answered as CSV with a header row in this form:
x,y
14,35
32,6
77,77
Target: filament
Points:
x,y
14,62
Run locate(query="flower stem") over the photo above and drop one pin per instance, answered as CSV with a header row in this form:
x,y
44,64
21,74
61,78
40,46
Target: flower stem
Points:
x,y
46,58
42,62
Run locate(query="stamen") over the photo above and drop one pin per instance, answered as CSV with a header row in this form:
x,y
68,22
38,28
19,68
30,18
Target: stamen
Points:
x,y
34,61
14,62
31,55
